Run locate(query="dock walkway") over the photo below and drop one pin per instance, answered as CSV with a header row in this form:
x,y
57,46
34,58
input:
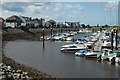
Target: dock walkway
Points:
x,y
98,44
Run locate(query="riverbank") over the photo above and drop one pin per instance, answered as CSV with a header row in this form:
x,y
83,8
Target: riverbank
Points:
x,y
33,34
15,34
28,72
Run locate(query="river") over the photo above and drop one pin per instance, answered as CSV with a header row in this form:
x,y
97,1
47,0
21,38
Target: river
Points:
x,y
52,61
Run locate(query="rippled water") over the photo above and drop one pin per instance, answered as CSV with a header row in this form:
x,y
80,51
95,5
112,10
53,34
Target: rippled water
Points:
x,y
63,65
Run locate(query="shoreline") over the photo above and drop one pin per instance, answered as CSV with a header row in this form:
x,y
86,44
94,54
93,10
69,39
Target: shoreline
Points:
x,y
12,36
34,34
32,73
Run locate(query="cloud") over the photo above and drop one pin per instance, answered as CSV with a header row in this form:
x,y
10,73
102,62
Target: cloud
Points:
x,y
68,6
111,5
57,6
0,10
57,0
24,8
76,12
46,10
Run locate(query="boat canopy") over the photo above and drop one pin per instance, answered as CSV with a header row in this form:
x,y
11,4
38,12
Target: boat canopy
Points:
x,y
81,51
85,40
74,37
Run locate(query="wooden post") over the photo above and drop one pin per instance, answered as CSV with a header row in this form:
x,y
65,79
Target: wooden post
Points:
x,y
93,30
51,34
116,37
43,38
61,29
112,40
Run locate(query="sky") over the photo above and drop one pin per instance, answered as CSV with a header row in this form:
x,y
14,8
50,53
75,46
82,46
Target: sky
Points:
x,y
92,13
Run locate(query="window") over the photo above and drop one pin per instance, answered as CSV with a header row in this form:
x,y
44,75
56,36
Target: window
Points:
x,y
111,52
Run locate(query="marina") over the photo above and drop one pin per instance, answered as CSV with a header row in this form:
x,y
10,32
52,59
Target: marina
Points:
x,y
59,40
52,61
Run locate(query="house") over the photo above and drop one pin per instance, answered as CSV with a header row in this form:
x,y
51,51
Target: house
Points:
x,y
13,21
27,21
48,24
39,22
1,22
53,23
72,24
59,24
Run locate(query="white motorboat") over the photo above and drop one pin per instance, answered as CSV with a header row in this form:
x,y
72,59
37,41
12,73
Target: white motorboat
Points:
x,y
92,54
89,46
81,53
73,48
107,54
81,32
74,44
106,45
56,38
69,39
117,58
94,40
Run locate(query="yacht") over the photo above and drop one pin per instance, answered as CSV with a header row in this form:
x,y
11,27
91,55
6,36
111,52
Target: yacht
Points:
x,y
117,58
92,54
81,53
73,48
107,54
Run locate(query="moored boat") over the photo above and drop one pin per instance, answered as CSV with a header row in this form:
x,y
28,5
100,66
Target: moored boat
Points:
x,y
73,48
92,54
81,53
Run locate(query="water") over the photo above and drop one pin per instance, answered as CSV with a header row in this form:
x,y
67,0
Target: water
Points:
x,y
62,65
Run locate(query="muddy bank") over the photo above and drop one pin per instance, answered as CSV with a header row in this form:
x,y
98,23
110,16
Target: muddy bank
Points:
x,y
32,73
33,34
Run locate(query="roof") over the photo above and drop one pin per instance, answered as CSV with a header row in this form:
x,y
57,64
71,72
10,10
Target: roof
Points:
x,y
47,22
52,21
14,18
38,20
1,19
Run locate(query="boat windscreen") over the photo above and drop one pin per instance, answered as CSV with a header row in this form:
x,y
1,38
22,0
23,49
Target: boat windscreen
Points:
x,y
117,54
111,52
72,47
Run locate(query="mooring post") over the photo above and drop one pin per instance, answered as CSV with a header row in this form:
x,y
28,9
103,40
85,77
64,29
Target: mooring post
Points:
x,y
61,29
112,40
93,30
51,34
43,39
116,37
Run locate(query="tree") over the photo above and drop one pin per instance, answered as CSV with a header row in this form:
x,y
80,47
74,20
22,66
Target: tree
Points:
x,y
83,25
106,25
88,26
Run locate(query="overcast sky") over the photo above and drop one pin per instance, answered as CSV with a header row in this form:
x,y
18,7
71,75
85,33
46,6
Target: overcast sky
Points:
x,y
86,12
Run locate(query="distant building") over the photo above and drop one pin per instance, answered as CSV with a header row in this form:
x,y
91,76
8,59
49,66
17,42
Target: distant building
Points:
x,y
48,24
13,21
72,24
39,22
53,23
59,24
28,21
1,22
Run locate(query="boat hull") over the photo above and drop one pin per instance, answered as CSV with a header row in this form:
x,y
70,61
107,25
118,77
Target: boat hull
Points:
x,y
71,50
91,56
